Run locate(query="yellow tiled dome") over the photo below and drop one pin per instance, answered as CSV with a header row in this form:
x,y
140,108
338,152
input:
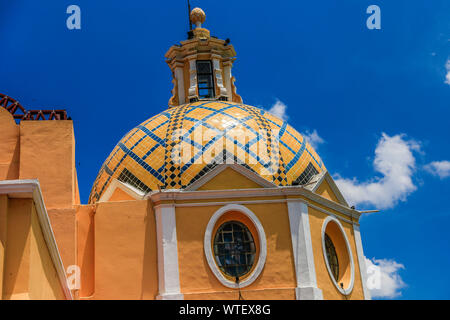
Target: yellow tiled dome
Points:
x,y
178,146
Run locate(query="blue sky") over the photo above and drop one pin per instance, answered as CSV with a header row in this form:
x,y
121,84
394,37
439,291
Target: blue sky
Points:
x,y
335,77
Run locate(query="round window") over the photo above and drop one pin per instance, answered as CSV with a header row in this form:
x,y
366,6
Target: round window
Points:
x,y
337,255
234,249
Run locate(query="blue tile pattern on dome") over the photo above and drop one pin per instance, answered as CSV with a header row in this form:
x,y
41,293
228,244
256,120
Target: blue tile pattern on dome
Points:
x,y
146,152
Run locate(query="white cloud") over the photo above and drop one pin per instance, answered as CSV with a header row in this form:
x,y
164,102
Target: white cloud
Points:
x,y
383,278
395,161
447,76
313,138
279,110
439,168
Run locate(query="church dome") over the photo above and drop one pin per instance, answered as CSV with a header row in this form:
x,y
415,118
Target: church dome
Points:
x,y
180,145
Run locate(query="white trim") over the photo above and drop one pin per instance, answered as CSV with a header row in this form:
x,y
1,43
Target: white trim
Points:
x,y
166,239
32,189
303,252
361,262
246,202
227,76
236,167
179,76
262,246
172,195
218,76
348,290
125,187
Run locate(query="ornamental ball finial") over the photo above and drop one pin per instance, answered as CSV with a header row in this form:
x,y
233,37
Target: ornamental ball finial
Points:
x,y
197,16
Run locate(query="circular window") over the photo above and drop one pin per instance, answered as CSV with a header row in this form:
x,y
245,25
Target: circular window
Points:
x,y
234,249
235,246
337,255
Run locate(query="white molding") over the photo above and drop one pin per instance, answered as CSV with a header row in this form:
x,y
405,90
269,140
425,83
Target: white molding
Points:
x,y
32,189
179,76
361,262
166,239
227,76
303,252
218,76
247,202
157,196
348,290
236,167
192,91
125,187
210,256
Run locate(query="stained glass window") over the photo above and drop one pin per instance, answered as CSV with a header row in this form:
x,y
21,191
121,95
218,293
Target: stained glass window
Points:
x,y
234,249
332,258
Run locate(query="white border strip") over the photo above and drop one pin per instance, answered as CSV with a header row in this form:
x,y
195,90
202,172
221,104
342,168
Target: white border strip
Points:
x,y
303,252
166,239
361,262
178,195
249,202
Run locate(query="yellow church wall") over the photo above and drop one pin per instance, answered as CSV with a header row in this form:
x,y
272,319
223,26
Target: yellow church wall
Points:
x,y
325,191
125,251
197,280
47,154
9,146
229,179
324,280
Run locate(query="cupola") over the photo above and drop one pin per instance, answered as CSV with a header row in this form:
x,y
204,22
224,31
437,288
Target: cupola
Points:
x,y
201,66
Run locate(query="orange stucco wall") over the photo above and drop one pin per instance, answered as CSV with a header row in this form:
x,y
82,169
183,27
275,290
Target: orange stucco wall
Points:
x,y
125,251
29,272
44,283
47,153
3,237
9,146
120,195
63,225
44,150
85,235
